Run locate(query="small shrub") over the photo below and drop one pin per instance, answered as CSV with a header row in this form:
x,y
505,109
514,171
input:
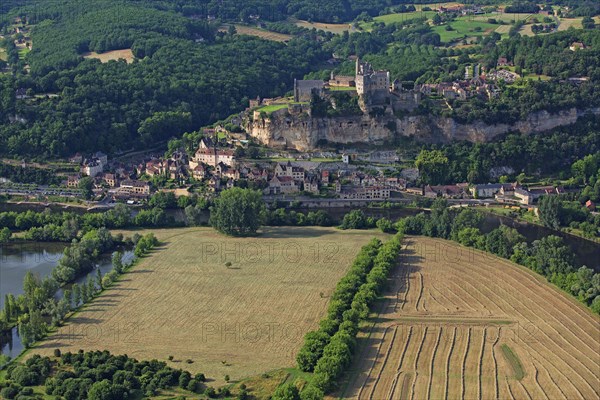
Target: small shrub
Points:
x,y
57,353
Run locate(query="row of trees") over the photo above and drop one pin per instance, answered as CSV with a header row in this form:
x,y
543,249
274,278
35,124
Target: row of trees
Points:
x,y
337,354
341,301
96,375
38,299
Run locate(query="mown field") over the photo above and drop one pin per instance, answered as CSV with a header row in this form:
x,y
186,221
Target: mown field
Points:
x,y
459,323
125,54
261,33
327,27
239,319
464,27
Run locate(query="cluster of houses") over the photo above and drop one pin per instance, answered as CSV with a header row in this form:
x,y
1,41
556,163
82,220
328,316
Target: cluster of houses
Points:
x,y
477,83
119,183
217,166
507,193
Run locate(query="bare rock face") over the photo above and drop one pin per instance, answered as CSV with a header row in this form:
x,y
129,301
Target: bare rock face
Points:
x,y
303,132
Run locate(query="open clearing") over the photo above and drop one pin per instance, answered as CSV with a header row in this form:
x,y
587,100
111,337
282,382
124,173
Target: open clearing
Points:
x,y
460,323
125,54
261,33
239,320
327,27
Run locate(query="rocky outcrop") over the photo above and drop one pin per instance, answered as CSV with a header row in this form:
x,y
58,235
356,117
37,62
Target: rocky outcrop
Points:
x,y
302,132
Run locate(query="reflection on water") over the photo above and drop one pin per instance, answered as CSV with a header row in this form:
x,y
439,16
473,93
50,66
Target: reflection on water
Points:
x,y
40,258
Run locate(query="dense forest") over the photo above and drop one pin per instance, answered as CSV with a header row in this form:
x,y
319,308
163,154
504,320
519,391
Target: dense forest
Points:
x,y
184,76
544,154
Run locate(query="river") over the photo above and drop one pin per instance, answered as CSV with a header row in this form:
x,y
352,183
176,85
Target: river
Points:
x,y
587,252
40,258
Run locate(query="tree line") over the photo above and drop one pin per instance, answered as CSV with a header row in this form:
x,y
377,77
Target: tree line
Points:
x,y
328,351
97,375
32,310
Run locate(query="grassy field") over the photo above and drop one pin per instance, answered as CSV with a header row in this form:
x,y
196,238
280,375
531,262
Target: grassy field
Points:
x,y
566,23
261,33
239,320
342,89
446,322
125,54
392,18
327,27
272,108
23,51
464,27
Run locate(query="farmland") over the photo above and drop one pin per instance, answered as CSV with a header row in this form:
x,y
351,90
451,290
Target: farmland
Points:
x,y
262,33
459,323
327,27
239,319
464,27
124,54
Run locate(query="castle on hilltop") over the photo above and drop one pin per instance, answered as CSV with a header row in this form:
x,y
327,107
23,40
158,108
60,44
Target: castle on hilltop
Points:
x,y
373,86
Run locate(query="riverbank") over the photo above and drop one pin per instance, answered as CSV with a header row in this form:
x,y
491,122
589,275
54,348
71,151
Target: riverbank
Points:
x,y
530,218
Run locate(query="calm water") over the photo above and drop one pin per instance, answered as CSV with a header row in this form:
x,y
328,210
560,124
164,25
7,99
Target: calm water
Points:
x,y
39,258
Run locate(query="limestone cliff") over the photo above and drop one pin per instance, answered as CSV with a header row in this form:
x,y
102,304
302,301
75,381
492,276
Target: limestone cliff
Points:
x,y
293,130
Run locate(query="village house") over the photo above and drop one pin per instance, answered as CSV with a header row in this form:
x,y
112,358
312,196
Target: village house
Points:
x,y
365,193
152,168
486,190
212,156
539,191
100,156
296,173
199,172
417,191
342,81
325,177
73,181
92,167
395,183
523,195
133,187
577,46
110,179
214,184
590,205
311,185
257,175
458,191
282,185
503,62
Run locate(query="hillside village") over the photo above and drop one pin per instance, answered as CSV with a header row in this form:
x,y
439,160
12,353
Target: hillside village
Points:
x,y
364,176
219,161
